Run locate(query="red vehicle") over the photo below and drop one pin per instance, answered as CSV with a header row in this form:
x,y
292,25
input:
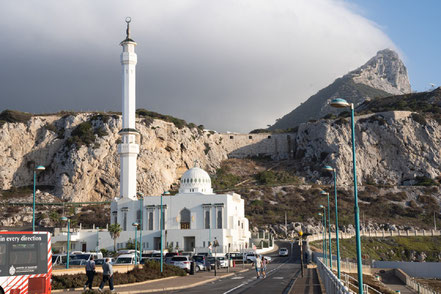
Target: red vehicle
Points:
x,y
25,262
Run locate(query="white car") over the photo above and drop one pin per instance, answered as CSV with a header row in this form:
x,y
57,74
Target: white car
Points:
x,y
283,252
223,262
125,259
181,261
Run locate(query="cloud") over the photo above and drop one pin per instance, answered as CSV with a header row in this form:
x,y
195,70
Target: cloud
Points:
x,y
231,65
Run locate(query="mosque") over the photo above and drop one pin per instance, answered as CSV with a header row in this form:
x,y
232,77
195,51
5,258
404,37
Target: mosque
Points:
x,y
192,220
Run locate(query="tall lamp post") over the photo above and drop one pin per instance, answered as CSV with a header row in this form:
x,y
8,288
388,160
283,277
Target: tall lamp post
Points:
x,y
136,241
324,193
38,168
324,233
323,237
334,174
63,218
141,224
162,228
342,103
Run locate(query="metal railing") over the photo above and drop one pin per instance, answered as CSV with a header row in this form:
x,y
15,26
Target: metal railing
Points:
x,y
366,288
419,288
330,281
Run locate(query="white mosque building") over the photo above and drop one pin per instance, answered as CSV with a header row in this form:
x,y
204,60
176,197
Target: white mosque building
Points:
x,y
191,220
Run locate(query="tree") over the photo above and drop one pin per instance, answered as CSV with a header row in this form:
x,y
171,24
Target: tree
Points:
x,y
115,231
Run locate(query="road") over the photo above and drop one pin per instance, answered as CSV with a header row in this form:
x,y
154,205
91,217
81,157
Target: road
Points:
x,y
281,274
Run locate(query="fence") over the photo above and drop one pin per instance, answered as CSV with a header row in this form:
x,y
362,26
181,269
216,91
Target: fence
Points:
x,y
412,283
330,281
378,234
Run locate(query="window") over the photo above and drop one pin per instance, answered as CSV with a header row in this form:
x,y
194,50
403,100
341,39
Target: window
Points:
x,y
207,219
125,221
203,244
115,216
250,137
138,217
150,220
185,219
231,137
148,246
219,219
269,137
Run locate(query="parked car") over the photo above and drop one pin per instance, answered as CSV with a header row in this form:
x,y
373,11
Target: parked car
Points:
x,y
101,261
211,260
250,257
87,255
200,262
125,259
58,259
283,251
183,262
77,262
223,262
235,255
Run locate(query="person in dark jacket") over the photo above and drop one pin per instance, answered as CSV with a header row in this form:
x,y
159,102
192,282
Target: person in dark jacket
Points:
x,y
107,275
90,273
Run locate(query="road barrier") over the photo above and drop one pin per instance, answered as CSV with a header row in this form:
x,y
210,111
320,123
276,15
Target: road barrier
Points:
x,y
330,281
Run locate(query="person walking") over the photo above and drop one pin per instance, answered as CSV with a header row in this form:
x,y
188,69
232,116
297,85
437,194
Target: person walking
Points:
x,y
264,263
107,275
258,265
90,273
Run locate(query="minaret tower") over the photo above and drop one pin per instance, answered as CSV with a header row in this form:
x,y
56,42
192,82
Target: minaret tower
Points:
x,y
128,149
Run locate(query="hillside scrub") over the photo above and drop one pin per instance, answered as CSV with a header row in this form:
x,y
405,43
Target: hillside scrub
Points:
x,y
13,116
390,248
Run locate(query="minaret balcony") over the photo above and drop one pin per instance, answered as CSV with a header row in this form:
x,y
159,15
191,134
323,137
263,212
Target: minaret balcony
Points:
x,y
132,148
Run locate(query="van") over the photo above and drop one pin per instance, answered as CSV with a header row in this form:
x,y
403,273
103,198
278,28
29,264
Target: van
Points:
x,y
87,255
125,259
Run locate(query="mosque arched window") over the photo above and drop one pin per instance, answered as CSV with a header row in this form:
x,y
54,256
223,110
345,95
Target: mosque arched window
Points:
x,y
185,219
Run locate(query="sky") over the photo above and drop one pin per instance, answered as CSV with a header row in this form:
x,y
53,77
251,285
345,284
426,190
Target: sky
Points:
x,y
231,65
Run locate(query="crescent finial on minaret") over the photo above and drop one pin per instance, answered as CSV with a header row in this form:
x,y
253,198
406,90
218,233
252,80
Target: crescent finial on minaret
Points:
x,y
128,20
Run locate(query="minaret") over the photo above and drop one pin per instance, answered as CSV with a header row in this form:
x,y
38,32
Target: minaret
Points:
x,y
128,149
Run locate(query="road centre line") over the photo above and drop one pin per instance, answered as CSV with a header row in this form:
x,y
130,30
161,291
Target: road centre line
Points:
x,y
231,290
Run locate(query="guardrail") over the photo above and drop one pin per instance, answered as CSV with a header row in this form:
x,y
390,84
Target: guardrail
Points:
x,y
330,281
412,283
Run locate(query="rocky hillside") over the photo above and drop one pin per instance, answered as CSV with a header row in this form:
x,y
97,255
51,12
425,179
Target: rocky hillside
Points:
x,y
383,75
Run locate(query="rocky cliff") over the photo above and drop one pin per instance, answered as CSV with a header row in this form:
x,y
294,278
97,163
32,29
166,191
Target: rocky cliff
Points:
x,y
383,75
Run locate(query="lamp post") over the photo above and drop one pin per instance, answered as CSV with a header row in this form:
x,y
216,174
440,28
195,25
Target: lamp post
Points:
x,y
141,224
324,234
334,174
136,241
162,228
341,103
97,239
63,218
323,193
40,167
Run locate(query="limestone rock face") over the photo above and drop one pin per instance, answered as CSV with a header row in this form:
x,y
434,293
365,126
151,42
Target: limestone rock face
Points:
x,y
385,71
383,75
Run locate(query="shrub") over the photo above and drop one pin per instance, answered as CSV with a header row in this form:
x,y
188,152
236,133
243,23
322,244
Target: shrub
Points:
x,y
13,116
425,181
82,135
419,119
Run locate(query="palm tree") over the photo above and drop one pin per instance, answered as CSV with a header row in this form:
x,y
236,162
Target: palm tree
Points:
x,y
114,231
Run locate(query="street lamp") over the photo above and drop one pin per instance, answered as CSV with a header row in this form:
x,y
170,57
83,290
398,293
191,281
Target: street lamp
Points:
x,y
39,167
341,103
334,174
162,228
141,211
324,233
63,218
324,193
136,241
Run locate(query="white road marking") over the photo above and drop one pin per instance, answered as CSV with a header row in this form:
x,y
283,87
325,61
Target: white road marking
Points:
x,y
237,278
231,290
278,278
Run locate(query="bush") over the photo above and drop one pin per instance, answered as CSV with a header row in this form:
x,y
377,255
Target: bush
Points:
x,y
419,119
425,181
13,116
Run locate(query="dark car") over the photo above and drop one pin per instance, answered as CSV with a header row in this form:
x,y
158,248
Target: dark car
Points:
x,y
211,260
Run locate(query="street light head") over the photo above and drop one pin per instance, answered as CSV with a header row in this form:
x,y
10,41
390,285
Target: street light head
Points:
x,y
321,206
324,193
328,168
320,214
166,193
63,218
135,224
339,103
40,167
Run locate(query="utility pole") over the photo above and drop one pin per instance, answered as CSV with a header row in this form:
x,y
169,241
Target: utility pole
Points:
x,y
301,250
434,220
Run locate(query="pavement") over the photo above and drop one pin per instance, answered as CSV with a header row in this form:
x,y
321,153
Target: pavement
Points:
x,y
170,283
308,284
389,279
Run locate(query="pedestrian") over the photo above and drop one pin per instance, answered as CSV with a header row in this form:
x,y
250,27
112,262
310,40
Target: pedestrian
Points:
x,y
258,265
90,273
264,263
107,275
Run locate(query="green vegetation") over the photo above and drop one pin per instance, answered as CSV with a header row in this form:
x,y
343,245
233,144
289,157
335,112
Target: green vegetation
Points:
x,y
85,133
390,248
223,179
179,123
149,271
13,116
269,177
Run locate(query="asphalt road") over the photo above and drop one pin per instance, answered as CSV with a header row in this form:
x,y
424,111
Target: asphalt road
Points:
x,y
281,273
